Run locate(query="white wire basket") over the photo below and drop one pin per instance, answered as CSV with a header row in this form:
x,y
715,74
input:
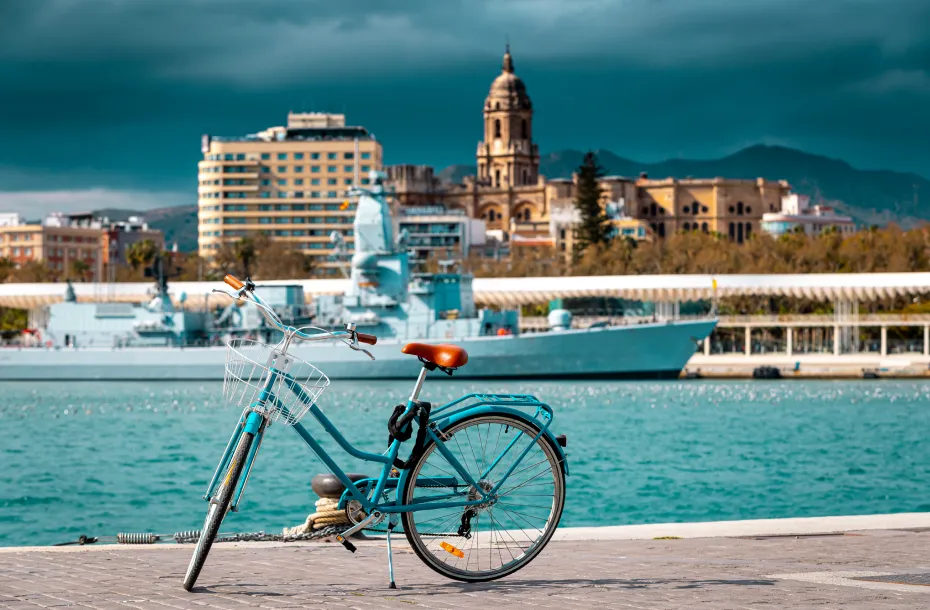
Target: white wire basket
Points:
x,y
297,386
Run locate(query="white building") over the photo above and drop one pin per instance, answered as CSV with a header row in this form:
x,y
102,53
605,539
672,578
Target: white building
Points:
x,y
436,231
796,211
11,219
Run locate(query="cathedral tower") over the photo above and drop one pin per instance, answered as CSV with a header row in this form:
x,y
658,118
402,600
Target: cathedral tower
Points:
x,y
507,157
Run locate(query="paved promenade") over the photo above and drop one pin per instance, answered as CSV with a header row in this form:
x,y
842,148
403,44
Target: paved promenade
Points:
x,y
807,571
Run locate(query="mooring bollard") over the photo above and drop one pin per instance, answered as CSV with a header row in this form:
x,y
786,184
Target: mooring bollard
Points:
x,y
327,515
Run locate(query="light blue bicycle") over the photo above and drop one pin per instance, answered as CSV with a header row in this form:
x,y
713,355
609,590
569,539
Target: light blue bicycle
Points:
x,y
480,495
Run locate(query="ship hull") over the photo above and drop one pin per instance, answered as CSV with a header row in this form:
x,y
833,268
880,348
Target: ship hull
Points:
x,y
646,351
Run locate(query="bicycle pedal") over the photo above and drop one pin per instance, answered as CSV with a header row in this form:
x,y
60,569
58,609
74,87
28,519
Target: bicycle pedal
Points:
x,y
345,542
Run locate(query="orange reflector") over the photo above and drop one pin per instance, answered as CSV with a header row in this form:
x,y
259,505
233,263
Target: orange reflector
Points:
x,y
451,549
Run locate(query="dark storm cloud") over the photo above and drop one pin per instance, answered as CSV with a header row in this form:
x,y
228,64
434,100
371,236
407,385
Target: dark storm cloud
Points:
x,y
115,93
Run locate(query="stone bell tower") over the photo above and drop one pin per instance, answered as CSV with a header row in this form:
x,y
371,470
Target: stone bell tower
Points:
x,y
507,157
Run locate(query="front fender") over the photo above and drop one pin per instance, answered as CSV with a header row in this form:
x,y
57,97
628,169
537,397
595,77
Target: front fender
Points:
x,y
444,422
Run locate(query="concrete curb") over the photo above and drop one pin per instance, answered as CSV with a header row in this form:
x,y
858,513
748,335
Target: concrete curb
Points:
x,y
710,529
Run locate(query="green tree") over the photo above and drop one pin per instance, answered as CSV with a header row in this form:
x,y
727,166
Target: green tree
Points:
x,y
246,250
7,267
141,254
592,229
80,270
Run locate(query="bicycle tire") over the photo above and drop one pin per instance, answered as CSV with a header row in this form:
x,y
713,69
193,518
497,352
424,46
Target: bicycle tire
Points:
x,y
219,506
421,547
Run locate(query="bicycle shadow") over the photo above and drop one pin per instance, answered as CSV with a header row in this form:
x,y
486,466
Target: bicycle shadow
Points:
x,y
499,587
585,583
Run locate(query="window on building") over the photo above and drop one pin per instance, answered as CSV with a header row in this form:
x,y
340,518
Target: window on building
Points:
x,y
653,209
739,232
748,210
298,194
331,181
497,177
366,155
661,229
348,168
731,230
365,168
748,229
526,214
365,180
265,156
314,155
332,168
731,209
704,227
298,156
282,169
298,181
332,194
330,156
348,156
314,169
314,194
526,177
704,209
739,209
298,169
686,226
265,182
497,128
282,182
686,210
347,181
282,156
524,130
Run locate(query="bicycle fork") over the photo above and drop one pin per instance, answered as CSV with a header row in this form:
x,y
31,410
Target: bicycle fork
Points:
x,y
254,423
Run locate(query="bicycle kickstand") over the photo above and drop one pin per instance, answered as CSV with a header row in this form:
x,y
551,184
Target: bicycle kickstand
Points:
x,y
392,523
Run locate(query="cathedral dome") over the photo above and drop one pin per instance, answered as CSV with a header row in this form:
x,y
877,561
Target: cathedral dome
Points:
x,y
508,88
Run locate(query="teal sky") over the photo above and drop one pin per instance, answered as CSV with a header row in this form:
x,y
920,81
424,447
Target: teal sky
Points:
x,y
102,102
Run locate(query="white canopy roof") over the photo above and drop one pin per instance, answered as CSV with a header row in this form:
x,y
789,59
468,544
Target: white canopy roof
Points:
x,y
517,291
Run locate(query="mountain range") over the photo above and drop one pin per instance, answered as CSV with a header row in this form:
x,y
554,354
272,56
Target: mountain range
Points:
x,y
869,196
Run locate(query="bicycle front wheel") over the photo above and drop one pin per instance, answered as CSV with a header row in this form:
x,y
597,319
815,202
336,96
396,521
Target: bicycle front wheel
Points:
x,y
219,506
485,542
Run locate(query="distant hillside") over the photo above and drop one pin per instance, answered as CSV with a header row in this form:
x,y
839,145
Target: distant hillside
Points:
x,y
869,196
179,224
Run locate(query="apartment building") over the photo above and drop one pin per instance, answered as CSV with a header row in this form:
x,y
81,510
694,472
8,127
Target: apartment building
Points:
x,y
289,182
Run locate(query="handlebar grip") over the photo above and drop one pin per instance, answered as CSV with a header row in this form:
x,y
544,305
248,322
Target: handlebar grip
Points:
x,y
233,281
369,339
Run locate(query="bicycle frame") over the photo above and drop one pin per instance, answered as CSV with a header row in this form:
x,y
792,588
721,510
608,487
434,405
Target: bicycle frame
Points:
x,y
366,492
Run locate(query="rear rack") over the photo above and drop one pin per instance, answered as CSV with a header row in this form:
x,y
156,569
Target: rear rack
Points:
x,y
541,411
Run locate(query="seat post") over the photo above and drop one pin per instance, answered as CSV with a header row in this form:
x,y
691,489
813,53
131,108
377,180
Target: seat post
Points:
x,y
416,389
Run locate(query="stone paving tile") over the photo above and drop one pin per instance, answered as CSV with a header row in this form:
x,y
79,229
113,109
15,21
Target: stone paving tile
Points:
x,y
714,573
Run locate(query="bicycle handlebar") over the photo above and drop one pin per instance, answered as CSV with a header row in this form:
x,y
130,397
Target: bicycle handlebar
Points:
x,y
245,291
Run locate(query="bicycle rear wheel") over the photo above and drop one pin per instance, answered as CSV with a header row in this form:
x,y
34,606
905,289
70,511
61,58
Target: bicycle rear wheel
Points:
x,y
476,544
219,506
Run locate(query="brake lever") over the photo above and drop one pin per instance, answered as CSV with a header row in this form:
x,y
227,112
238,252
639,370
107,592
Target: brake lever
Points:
x,y
353,344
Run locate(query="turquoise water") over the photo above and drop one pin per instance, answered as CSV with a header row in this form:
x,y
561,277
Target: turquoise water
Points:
x,y
99,459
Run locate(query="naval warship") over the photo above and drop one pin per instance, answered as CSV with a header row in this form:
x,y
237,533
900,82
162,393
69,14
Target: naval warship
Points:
x,y
159,341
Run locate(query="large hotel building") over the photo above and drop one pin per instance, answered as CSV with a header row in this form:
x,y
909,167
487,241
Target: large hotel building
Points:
x,y
288,181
